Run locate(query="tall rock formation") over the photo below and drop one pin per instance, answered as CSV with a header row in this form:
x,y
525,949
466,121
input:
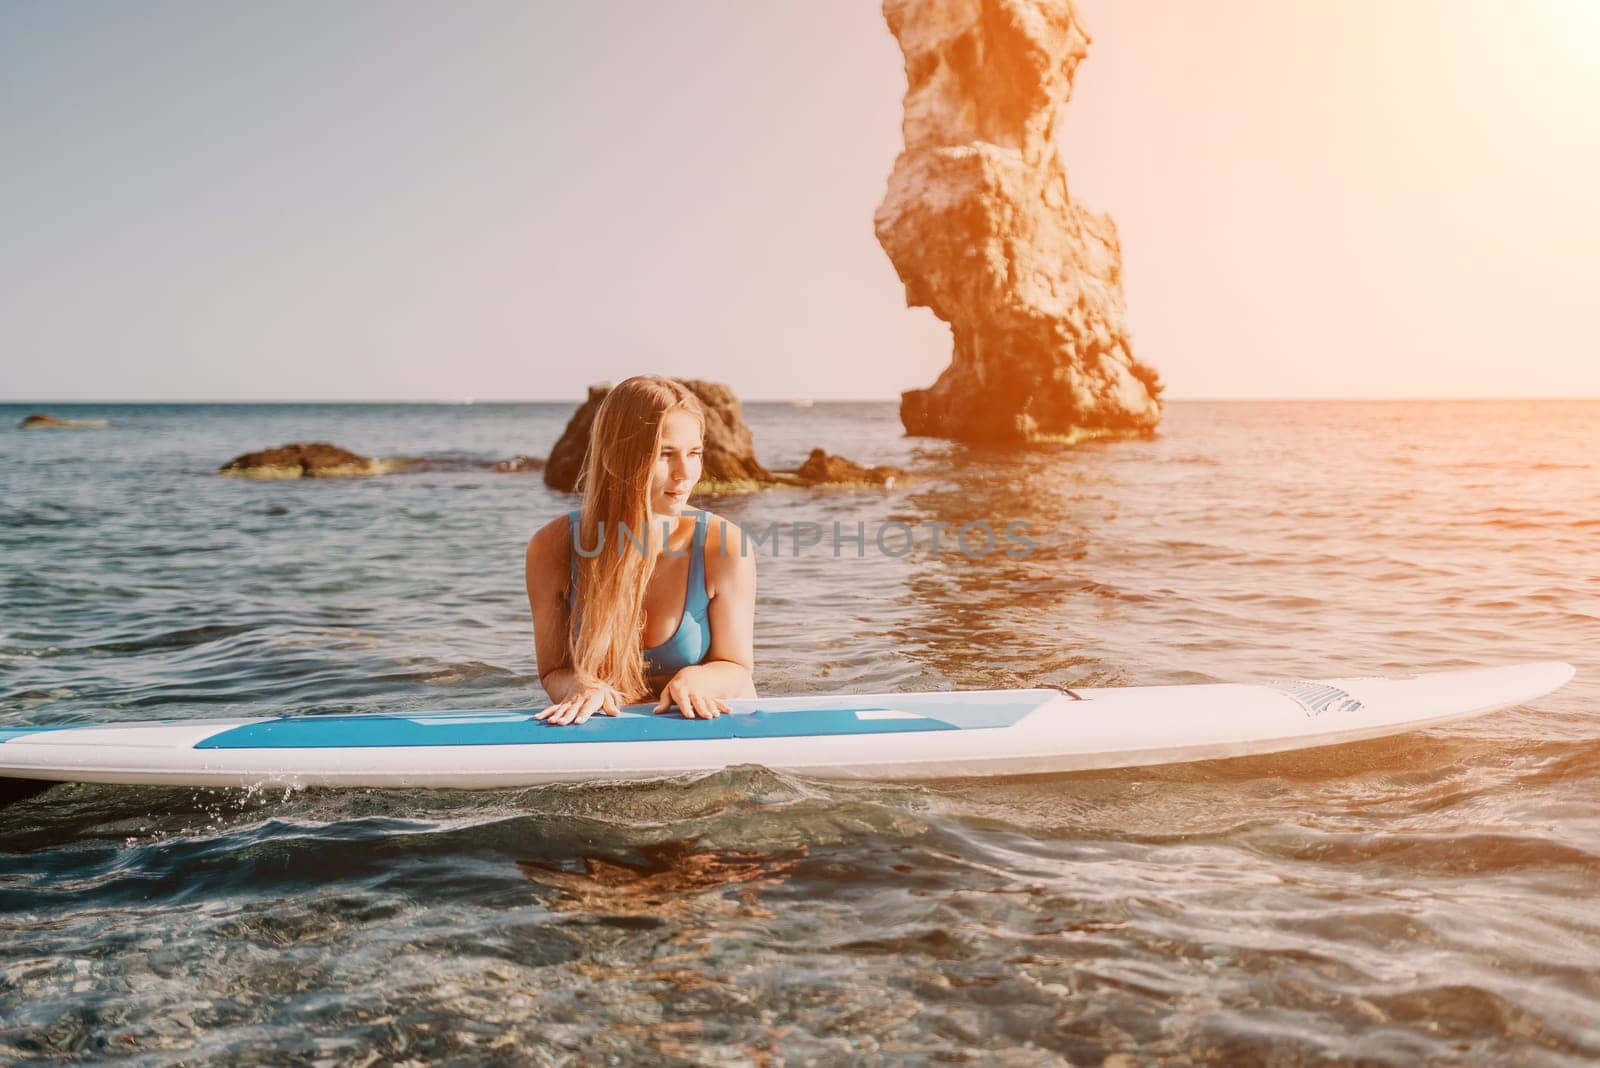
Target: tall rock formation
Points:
x,y
980,228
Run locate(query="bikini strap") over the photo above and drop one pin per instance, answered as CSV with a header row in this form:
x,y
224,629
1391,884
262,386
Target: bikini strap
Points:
x,y
697,593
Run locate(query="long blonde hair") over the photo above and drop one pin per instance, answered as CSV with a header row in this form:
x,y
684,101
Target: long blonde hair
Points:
x,y
615,483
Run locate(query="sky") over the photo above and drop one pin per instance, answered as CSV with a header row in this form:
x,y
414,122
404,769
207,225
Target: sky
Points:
x,y
509,200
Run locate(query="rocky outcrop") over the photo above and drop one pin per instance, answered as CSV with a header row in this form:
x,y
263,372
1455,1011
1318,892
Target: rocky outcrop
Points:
x,y
318,459
979,225
730,459
315,459
40,421
821,469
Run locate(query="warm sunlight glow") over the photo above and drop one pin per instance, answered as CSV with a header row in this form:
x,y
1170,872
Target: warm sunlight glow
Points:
x,y
1575,25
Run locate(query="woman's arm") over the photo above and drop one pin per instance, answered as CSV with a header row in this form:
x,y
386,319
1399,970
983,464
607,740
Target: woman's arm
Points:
x,y
548,573
702,690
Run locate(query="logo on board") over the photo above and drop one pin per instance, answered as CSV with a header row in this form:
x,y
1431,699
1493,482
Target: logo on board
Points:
x,y
1316,697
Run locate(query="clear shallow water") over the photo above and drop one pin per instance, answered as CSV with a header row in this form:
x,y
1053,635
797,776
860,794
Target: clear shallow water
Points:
x,y
1429,897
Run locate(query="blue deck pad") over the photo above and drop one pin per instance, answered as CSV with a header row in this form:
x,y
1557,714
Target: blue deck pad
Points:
x,y
636,724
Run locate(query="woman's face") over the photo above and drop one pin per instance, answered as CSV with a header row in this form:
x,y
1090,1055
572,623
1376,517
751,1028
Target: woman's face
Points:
x,y
677,466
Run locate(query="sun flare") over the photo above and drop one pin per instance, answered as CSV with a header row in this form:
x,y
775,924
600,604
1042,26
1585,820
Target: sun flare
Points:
x,y
1575,25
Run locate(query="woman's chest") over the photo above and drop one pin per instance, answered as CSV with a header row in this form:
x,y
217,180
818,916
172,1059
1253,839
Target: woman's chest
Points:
x,y
665,592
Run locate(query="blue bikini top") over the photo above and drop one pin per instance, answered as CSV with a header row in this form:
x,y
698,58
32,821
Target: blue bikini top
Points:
x,y
691,642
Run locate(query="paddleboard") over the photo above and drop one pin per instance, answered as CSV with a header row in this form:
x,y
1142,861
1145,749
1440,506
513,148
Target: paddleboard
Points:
x,y
860,736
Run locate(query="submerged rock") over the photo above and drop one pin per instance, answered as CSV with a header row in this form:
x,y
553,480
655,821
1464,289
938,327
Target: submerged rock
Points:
x,y
821,469
979,226
38,421
730,458
316,459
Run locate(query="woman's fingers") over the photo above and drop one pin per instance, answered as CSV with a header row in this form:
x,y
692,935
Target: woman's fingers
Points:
x,y
672,695
689,704
577,709
591,703
676,694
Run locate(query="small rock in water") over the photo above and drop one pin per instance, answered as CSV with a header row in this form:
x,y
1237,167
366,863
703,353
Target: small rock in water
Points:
x,y
820,469
520,463
316,459
39,421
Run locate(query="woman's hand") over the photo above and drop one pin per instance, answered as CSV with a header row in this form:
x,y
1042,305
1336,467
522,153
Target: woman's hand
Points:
x,y
693,697
581,705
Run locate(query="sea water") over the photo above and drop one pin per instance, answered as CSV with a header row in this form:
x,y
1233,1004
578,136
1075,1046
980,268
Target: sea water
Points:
x,y
1430,896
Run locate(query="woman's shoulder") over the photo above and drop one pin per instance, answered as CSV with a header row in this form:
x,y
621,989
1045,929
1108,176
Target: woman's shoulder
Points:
x,y
725,547
551,542
717,527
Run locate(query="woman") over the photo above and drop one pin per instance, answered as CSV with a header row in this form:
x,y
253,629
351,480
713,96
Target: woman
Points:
x,y
635,595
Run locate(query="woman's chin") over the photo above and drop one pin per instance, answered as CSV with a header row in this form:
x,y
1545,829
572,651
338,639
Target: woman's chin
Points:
x,y
670,505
